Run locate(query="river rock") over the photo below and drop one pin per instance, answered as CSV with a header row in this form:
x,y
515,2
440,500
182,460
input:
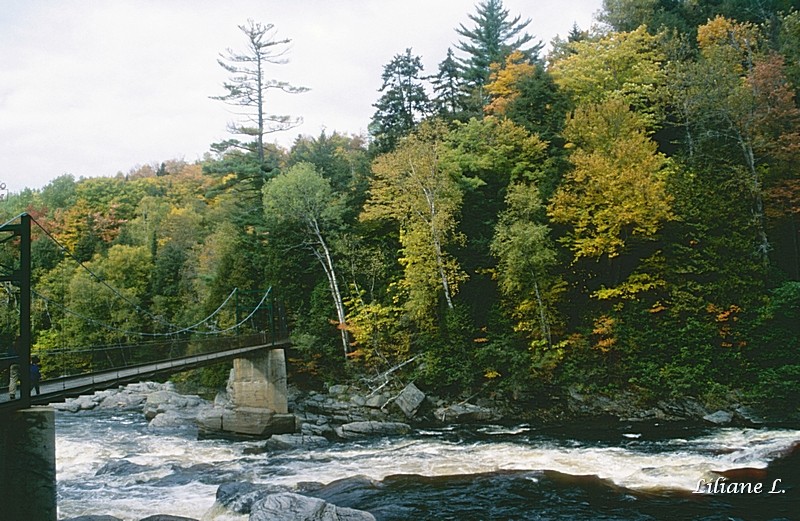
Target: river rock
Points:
x,y
719,417
750,415
93,518
409,400
121,467
465,413
163,401
85,403
344,490
163,517
125,401
337,390
239,497
376,401
355,430
246,421
67,406
294,441
294,507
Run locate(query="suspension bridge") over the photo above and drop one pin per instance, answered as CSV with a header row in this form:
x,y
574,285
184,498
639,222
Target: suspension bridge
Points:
x,y
255,344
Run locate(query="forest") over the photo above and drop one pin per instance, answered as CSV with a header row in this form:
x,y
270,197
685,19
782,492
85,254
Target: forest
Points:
x,y
621,212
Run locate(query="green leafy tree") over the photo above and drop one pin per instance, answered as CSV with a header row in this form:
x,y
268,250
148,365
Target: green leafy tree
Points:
x,y
491,154
627,66
304,200
616,192
339,158
415,187
526,261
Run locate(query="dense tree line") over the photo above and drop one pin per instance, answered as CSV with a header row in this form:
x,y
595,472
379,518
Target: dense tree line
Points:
x,y
620,213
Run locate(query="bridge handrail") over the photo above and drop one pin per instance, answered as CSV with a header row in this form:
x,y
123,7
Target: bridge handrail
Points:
x,y
168,362
69,363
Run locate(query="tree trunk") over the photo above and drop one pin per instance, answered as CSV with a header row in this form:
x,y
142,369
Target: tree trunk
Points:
x,y
326,260
542,317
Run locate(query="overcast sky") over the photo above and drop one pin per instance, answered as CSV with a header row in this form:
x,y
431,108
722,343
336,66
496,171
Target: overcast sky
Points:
x,y
91,87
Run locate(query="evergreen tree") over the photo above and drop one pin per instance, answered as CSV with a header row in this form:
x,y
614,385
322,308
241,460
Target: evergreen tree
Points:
x,y
248,86
448,87
493,38
404,101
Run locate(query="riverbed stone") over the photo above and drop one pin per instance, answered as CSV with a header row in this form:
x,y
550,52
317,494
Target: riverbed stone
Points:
x,y
295,441
122,401
313,429
288,506
376,401
85,403
719,417
750,415
355,430
167,517
67,406
239,497
409,400
337,390
247,421
93,518
465,413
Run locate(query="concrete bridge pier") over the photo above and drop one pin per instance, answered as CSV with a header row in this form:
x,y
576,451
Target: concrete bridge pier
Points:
x,y
258,398
28,465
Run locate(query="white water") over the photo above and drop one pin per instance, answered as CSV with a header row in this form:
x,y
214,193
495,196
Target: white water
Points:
x,y
181,473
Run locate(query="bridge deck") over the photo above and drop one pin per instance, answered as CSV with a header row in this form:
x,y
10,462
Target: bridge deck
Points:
x,y
59,389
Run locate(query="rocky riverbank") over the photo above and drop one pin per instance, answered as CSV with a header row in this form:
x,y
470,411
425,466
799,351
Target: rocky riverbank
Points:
x,y
342,413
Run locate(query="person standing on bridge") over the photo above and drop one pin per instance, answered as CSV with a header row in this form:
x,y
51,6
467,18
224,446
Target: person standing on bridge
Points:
x,y
13,373
36,373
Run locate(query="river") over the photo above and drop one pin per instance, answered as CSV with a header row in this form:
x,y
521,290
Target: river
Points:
x,y
111,463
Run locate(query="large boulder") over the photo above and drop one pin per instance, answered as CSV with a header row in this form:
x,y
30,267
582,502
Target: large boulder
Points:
x,y
409,400
287,506
163,401
355,430
719,418
123,400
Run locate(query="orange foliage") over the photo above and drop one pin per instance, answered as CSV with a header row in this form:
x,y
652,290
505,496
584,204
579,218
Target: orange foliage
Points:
x,y
504,80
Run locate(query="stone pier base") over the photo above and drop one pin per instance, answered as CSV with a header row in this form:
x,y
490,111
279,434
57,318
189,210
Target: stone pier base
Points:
x,y
28,465
258,402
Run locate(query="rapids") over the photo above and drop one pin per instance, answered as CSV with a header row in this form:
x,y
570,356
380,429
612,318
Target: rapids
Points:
x,y
111,463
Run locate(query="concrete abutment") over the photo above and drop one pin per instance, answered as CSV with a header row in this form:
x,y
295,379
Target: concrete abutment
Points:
x,y
28,465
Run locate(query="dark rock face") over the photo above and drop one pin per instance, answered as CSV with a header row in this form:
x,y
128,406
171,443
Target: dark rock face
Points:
x,y
120,467
294,507
240,497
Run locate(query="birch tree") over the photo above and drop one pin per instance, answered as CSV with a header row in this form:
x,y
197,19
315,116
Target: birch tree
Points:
x,y
302,200
416,188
